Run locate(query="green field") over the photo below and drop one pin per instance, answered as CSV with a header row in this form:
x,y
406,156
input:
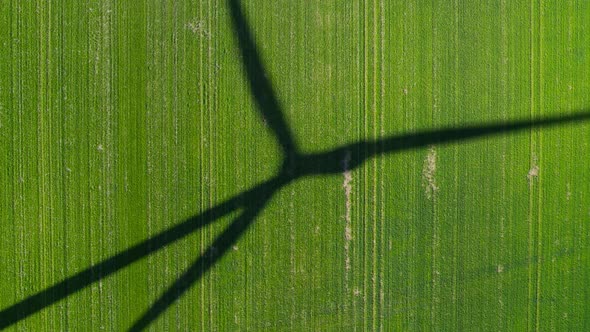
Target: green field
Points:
x,y
224,165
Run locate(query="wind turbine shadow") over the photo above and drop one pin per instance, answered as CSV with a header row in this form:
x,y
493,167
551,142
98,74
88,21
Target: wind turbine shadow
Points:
x,y
327,163
252,202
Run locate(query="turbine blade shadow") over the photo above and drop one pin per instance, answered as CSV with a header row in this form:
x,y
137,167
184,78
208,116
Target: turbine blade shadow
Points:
x,y
260,85
448,135
331,161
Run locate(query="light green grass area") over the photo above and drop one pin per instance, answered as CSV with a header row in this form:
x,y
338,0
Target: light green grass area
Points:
x,y
122,119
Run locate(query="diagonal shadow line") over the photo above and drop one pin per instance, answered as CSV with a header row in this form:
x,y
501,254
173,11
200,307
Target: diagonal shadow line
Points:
x,y
259,83
207,260
307,165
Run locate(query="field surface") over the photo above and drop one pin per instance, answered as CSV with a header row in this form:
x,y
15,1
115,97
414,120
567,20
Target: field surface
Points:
x,y
294,165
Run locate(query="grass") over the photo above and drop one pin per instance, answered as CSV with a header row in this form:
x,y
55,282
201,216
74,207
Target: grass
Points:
x,y
119,122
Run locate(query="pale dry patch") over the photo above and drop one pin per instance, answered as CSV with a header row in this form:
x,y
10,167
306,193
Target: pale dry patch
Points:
x,y
348,203
197,27
533,173
428,173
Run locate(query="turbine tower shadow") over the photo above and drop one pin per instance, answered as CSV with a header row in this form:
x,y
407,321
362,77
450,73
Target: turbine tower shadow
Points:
x,y
295,166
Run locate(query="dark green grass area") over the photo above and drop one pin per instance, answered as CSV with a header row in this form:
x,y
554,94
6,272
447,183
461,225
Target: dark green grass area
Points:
x,y
220,166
